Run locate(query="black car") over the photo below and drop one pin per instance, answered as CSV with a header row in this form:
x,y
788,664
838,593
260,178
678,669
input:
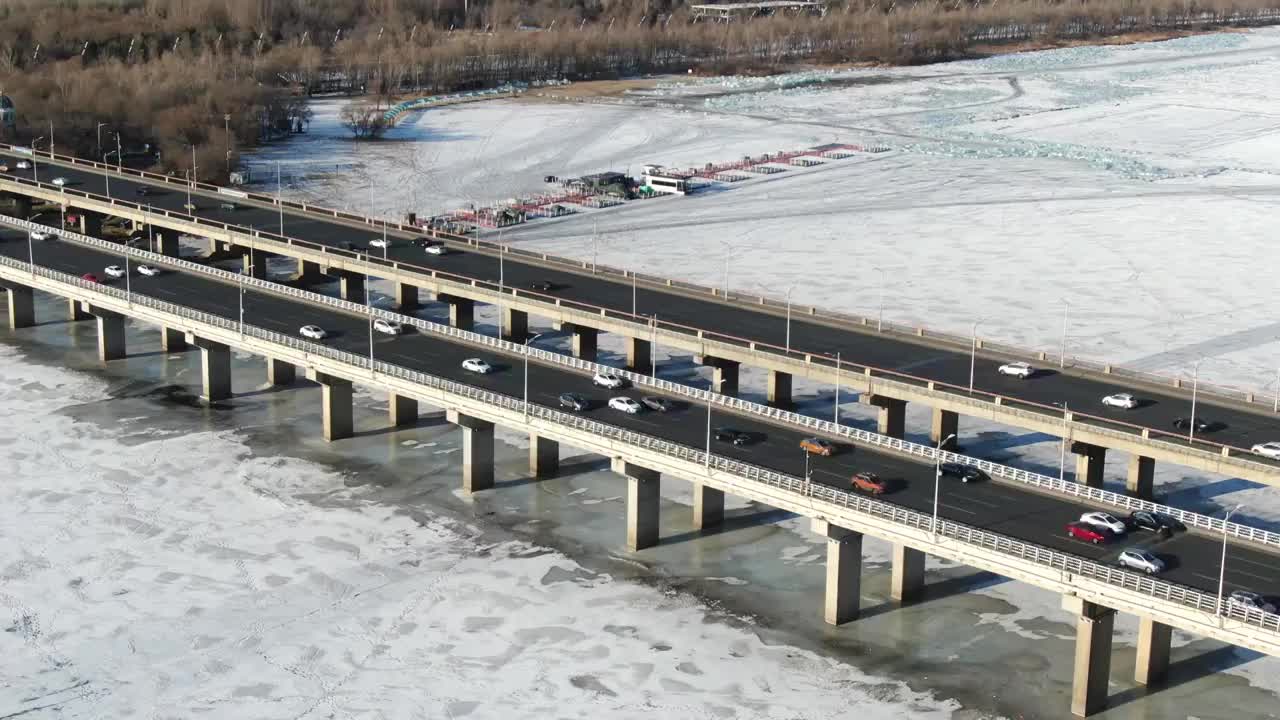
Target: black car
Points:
x,y
1202,425
966,473
659,404
1153,521
730,435
574,401
543,285
142,190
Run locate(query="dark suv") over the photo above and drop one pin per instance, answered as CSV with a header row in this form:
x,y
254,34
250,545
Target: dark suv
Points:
x,y
574,402
966,473
730,435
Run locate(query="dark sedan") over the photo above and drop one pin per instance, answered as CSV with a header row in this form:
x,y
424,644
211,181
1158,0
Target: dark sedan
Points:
x,y
1201,425
965,473
658,404
1155,522
543,285
574,402
730,435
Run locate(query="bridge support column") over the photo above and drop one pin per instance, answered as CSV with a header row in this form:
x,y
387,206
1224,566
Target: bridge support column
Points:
x,y
172,341
724,375
892,418
1094,624
908,574
280,372
402,411
253,264
1142,476
515,325
75,311
1090,462
643,500
339,421
22,306
477,451
779,389
544,456
1152,664
111,341
708,507
639,356
844,572
945,423
407,297
351,286
21,206
584,342
308,272
91,223
215,368
462,311
167,243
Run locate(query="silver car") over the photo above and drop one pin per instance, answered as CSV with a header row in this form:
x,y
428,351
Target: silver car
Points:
x,y
1251,600
1139,559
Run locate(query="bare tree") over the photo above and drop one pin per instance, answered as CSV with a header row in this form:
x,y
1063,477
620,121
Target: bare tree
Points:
x,y
364,120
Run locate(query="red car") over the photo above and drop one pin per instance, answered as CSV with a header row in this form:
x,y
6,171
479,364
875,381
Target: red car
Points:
x,y
869,482
90,277
1089,533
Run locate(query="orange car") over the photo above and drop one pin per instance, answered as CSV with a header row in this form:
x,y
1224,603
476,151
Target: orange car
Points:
x,y
869,482
818,446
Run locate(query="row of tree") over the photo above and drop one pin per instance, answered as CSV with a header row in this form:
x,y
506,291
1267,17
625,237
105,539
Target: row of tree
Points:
x,y
221,75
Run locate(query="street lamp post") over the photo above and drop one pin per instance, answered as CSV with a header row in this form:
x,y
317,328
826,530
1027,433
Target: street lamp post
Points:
x,y
119,154
653,348
1062,455
35,166
279,198
937,483
708,430
793,287
241,283
1062,356
1195,386
128,283
836,417
526,373
100,126
1222,568
973,354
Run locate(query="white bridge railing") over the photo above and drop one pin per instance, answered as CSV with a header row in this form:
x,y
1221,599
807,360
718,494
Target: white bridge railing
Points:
x,y
852,435
364,367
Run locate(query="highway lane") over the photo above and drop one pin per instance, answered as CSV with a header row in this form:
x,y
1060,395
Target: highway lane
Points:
x,y
1241,428
999,507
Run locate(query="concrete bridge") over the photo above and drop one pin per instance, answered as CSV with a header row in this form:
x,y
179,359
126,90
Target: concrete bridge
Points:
x,y
196,306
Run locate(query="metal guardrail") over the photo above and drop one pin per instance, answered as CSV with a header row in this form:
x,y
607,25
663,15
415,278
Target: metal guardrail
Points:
x,y
642,324
702,397
797,487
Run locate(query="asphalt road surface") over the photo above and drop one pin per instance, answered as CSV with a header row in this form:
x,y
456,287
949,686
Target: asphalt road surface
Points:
x,y
1193,559
1232,426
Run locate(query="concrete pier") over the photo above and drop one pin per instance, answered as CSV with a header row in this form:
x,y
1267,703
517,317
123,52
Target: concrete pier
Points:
x,y
280,372
253,263
1152,663
215,368
91,223
908,574
1142,477
172,341
111,338
22,306
1090,463
779,389
309,272
75,311
402,411
339,422
462,311
643,502
724,374
708,507
844,572
891,420
166,242
407,299
351,287
945,423
1094,625
544,456
515,325
584,342
477,451
639,356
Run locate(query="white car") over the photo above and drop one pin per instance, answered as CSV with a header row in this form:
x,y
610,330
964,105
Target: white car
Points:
x,y
606,379
1017,369
1124,401
24,165
437,250
390,327
1139,559
625,404
40,235
114,271
476,365
1267,449
1251,600
149,270
1106,520
315,332
380,243
59,181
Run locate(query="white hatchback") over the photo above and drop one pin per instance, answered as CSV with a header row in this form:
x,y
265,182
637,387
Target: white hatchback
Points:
x,y
607,379
1017,369
380,243
40,235
437,250
626,405
1138,559
114,271
315,332
1106,520
389,327
476,365
59,181
1267,450
149,270
1124,401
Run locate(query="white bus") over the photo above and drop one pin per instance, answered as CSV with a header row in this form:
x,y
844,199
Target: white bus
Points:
x,y
668,184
